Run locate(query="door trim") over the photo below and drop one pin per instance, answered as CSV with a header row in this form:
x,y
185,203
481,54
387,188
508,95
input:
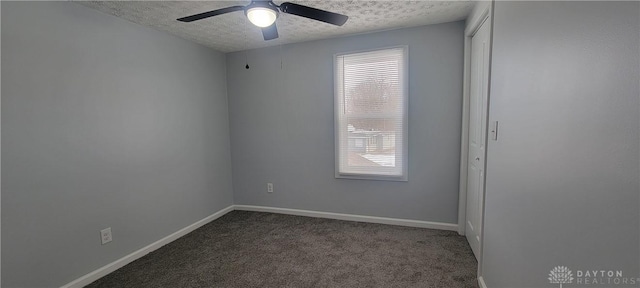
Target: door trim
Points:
x,y
464,147
485,16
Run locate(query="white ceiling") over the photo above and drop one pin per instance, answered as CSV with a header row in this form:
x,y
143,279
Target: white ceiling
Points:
x,y
233,32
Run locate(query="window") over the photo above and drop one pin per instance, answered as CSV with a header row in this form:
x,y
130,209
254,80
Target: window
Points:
x,y
371,114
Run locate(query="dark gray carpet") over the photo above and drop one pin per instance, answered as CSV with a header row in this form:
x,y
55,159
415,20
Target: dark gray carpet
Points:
x,y
251,249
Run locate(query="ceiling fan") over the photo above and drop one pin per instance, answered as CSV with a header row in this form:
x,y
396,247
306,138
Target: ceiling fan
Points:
x,y
263,13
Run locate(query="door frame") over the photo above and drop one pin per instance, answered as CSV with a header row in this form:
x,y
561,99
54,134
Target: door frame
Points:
x,y
485,16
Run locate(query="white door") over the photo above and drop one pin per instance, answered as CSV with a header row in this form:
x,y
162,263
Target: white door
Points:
x,y
478,96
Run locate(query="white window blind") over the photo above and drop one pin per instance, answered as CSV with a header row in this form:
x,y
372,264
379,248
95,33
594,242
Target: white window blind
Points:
x,y
371,114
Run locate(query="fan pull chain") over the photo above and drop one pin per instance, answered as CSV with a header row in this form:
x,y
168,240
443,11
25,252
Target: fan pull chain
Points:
x,y
280,55
246,45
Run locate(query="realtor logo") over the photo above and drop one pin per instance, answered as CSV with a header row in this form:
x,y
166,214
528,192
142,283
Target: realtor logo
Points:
x,y
560,275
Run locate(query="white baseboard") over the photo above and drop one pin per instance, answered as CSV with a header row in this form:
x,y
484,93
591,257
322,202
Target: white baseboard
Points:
x,y
481,282
351,217
115,265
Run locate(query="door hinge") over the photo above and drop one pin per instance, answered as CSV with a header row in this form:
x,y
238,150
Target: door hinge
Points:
x,y
494,130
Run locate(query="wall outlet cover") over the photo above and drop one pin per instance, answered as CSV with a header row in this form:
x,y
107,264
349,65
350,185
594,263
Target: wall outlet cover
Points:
x,y
270,187
105,235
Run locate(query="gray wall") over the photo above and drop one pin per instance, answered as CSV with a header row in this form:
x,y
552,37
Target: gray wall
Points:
x,y
562,180
282,127
104,123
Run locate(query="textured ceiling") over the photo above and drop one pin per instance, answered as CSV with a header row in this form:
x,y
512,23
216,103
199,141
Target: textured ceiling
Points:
x,y
233,32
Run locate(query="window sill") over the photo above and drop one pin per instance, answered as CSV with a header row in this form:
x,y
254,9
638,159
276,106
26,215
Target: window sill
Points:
x,y
403,178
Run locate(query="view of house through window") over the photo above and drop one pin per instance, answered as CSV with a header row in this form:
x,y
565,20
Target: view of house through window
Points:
x,y
371,114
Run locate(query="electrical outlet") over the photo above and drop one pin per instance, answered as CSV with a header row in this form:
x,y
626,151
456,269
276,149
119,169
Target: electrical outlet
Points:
x,y
270,187
105,235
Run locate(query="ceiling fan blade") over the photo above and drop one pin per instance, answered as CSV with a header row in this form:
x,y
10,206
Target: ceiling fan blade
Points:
x,y
270,33
210,14
313,13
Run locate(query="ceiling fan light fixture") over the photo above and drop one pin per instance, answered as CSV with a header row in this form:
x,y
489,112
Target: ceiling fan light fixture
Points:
x,y
262,16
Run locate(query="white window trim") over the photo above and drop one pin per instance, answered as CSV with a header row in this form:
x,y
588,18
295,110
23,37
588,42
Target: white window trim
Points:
x,y
405,121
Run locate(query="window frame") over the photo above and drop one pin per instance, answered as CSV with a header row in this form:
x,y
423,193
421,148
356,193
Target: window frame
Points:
x,y
405,119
